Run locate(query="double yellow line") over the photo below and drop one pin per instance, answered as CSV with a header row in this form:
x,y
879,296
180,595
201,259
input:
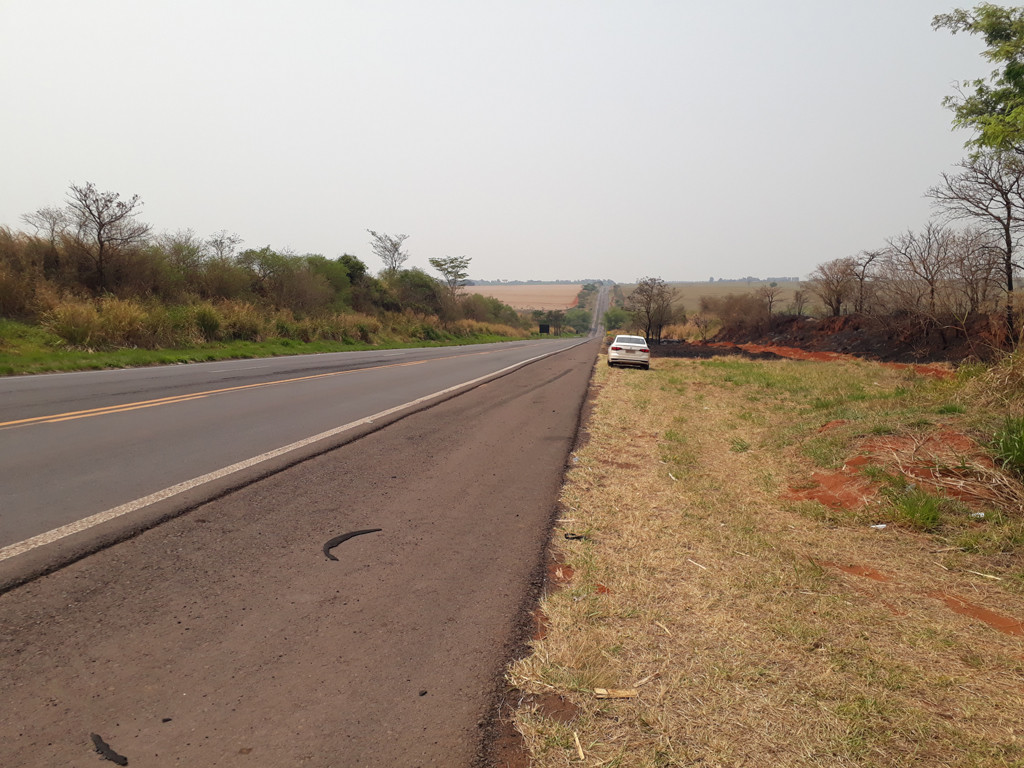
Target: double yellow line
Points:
x,y
71,415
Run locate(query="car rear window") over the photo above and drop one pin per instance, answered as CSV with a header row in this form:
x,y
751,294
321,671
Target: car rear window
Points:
x,y
632,340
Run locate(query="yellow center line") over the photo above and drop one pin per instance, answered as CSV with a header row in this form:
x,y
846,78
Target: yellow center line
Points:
x,y
71,415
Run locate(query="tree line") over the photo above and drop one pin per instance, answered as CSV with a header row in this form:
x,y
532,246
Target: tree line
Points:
x,y
962,268
96,248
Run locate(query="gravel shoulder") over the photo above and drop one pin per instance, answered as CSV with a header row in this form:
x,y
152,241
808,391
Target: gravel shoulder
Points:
x,y
226,637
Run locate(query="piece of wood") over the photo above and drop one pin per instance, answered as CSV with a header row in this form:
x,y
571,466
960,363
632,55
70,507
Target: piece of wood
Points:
x,y
616,693
664,627
646,679
579,747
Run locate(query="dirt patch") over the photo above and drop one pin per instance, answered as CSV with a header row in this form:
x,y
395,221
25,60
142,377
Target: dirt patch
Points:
x,y
560,574
945,462
553,706
842,489
995,620
1005,624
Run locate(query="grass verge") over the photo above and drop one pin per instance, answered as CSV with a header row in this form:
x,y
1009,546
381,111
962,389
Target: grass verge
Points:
x,y
32,349
761,627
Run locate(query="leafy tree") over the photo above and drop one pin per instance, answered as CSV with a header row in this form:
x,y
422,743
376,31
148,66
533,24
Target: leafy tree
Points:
x,y
454,270
388,249
418,291
580,319
337,276
616,318
651,306
992,108
556,317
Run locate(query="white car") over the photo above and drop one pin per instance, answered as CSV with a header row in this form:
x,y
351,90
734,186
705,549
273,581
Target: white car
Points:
x,y
629,350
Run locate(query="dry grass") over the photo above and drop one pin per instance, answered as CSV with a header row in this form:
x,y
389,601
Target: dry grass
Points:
x,y
548,296
719,599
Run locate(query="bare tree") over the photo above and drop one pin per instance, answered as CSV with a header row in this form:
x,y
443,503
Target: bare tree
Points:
x,y
48,222
702,323
834,282
799,302
976,269
924,258
989,190
104,224
223,244
388,249
769,294
651,305
862,273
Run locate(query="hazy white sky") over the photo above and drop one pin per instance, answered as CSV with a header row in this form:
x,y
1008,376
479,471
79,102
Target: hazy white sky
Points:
x,y
548,139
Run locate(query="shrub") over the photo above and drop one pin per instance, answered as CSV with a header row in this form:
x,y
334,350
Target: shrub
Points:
x,y
208,321
122,323
243,321
77,323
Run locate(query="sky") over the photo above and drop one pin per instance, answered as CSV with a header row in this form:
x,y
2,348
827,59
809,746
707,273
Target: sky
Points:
x,y
543,139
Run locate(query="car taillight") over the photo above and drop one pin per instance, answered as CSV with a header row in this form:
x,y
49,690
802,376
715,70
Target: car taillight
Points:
x,y
617,349
645,350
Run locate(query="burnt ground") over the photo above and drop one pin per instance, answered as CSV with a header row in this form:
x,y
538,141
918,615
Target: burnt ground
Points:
x,y
870,338
226,637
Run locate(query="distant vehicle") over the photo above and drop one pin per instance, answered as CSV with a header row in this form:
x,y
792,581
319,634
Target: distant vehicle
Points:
x,y
629,350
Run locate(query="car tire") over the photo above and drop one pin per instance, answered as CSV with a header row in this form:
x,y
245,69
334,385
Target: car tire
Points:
x,y
647,367
610,364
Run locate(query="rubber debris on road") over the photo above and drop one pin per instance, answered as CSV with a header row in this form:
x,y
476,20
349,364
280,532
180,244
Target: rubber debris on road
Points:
x,y
332,543
104,749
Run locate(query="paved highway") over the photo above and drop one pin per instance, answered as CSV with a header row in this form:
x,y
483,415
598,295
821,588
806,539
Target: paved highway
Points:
x,y
225,637
74,446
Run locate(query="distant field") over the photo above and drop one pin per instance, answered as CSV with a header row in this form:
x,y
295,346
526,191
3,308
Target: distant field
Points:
x,y
559,296
690,293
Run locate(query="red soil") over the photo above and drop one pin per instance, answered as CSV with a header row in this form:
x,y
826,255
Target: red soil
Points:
x,y
1004,624
998,621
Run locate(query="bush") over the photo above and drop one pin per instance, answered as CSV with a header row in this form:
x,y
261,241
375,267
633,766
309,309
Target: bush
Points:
x,y
208,321
122,323
76,323
243,321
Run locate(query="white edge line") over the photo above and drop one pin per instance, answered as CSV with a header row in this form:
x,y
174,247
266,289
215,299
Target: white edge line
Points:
x,y
21,547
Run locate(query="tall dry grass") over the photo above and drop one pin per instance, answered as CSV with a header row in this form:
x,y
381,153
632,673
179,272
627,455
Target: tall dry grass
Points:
x,y
113,323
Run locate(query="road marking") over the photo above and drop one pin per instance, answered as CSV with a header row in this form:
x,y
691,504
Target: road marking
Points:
x,y
21,547
173,399
57,417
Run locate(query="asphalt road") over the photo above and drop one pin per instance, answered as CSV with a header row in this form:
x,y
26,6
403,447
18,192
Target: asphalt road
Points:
x,y
225,636
79,445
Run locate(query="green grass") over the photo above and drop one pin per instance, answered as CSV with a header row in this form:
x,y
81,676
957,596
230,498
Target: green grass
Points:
x,y
31,349
1009,444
